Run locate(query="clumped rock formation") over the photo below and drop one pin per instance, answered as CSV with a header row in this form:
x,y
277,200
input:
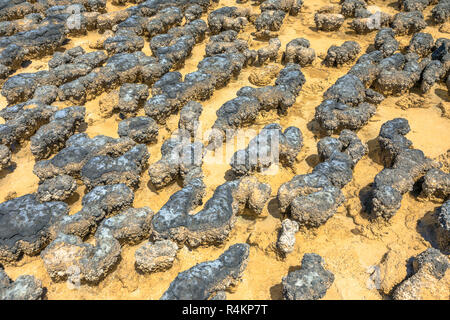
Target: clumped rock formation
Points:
x,y
58,188
443,226
430,278
299,51
311,199
213,223
244,109
334,116
104,169
52,136
286,240
156,256
69,257
269,147
189,117
310,282
27,225
79,149
179,158
328,21
339,55
140,129
5,157
73,71
24,288
403,167
206,279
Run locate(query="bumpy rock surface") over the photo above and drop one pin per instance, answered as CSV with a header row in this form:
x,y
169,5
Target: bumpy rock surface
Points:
x,y
104,169
443,227
53,136
430,279
339,55
202,281
436,184
58,188
157,256
311,199
269,147
140,129
213,223
179,158
24,288
79,149
27,225
328,21
310,282
334,116
189,117
286,240
69,257
299,51
5,157
244,109
408,22
403,167
22,121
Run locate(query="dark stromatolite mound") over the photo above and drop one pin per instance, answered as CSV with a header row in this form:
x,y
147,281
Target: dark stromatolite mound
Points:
x,y
170,93
268,23
433,72
202,281
408,22
398,74
52,137
26,225
441,12
140,129
179,158
421,43
334,116
311,199
23,121
429,267
310,282
403,168
58,188
250,101
25,287
286,237
69,257
100,202
348,89
385,41
189,117
214,222
339,55
127,169
5,157
299,51
269,147
436,185
132,97
79,149
228,18
328,21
